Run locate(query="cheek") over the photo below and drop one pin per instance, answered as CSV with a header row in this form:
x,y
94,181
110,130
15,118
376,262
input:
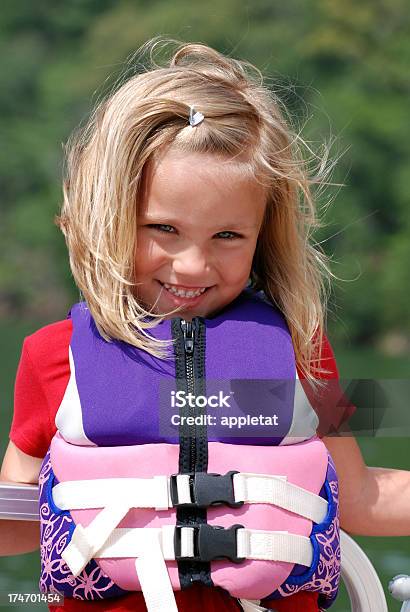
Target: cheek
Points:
x,y
237,265
148,256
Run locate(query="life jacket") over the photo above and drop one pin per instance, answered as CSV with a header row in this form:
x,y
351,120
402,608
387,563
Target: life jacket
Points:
x,y
147,484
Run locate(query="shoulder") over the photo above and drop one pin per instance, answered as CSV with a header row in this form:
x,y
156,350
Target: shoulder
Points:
x,y
49,342
326,360
45,355
41,380
53,333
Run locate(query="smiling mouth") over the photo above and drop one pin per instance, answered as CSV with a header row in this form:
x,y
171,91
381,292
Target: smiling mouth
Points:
x,y
183,291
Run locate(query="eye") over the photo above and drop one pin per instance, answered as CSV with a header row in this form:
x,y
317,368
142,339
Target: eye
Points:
x,y
232,235
160,226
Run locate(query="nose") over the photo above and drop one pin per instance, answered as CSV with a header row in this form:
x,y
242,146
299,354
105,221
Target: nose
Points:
x,y
191,264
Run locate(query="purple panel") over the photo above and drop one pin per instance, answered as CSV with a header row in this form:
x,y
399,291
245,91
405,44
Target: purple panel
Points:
x,y
251,340
117,383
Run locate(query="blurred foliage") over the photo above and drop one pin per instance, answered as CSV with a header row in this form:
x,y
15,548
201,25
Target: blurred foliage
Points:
x,y
340,68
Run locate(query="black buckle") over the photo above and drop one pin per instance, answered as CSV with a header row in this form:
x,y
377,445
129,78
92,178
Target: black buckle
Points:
x,y
207,490
210,542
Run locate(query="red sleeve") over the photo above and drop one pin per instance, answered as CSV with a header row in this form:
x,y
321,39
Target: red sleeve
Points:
x,y
42,378
329,401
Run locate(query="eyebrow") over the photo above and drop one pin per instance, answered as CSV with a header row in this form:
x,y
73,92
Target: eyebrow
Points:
x,y
171,221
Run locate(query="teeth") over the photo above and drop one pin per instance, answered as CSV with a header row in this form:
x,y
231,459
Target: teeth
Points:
x,y
182,292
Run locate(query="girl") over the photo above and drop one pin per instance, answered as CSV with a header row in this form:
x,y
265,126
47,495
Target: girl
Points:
x,y
187,214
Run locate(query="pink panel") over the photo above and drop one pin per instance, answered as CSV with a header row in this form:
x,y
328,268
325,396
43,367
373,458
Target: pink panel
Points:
x,y
260,578
251,579
80,462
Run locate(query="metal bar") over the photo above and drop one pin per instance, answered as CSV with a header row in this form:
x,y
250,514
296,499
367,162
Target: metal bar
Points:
x,y
19,502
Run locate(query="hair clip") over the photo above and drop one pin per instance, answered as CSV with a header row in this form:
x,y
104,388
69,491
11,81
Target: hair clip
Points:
x,y
195,117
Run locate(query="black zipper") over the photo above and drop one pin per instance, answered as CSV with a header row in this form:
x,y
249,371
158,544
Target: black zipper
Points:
x,y
190,338
189,344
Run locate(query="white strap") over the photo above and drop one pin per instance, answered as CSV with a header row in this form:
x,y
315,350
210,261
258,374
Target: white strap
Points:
x,y
86,541
125,542
274,546
154,579
98,493
134,541
155,493
251,544
184,492
268,489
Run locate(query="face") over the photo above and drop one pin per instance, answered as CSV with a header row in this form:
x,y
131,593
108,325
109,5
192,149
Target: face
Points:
x,y
198,225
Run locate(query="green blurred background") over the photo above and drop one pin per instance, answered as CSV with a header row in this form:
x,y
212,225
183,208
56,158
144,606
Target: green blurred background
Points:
x,y
342,69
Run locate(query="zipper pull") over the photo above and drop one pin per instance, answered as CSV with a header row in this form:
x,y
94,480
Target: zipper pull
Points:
x,y
188,331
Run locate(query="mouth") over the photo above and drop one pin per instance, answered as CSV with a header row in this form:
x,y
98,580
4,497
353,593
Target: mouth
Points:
x,y
183,294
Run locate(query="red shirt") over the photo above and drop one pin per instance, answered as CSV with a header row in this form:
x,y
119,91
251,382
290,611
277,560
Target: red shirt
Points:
x,y
41,381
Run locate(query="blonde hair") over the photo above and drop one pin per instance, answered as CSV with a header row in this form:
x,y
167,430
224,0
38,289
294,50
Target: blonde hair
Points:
x,y
145,114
